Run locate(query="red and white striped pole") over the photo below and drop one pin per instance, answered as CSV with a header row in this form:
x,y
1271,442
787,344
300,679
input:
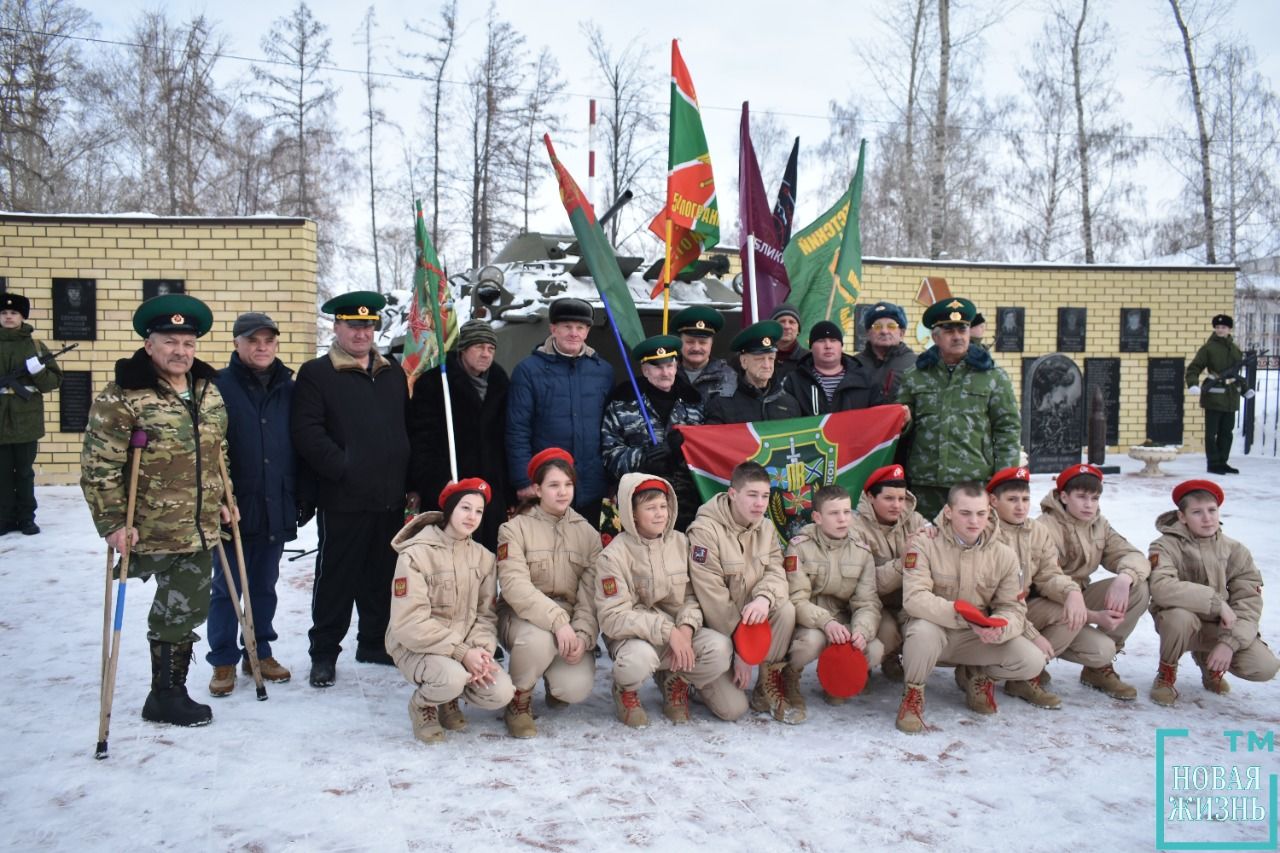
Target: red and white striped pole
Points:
x,y
591,156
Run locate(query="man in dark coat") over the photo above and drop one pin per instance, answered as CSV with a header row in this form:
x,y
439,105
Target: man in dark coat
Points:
x,y
478,393
258,391
759,396
885,357
710,377
790,353
350,429
827,380
557,399
669,400
1220,394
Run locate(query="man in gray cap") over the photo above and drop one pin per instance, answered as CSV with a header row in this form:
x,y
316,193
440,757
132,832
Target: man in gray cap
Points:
x,y
258,390
478,393
557,399
790,353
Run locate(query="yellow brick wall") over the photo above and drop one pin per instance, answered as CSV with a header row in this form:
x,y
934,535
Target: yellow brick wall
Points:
x,y
1182,301
234,265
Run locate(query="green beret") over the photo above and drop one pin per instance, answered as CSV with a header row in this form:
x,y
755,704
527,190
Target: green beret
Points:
x,y
356,305
957,309
656,349
701,321
172,312
758,338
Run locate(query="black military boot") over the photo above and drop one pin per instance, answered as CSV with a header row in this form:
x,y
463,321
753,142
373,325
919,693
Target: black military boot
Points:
x,y
168,701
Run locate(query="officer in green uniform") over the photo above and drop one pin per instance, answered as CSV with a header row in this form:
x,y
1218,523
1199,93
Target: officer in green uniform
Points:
x,y
25,377
759,395
711,377
1220,394
965,423
166,391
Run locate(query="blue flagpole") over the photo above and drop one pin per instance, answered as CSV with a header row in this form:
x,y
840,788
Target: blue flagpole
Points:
x,y
626,362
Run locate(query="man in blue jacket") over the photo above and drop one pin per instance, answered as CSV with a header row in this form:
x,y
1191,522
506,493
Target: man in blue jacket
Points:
x,y
557,398
258,390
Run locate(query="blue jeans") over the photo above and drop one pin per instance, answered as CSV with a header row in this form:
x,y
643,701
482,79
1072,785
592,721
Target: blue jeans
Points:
x,y
262,563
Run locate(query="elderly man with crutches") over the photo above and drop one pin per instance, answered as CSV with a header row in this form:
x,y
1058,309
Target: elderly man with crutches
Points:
x,y
165,393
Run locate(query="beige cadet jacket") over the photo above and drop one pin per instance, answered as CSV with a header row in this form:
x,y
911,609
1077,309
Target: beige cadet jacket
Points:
x,y
1038,566
544,570
888,542
832,579
730,565
442,597
1200,574
1085,545
642,586
940,571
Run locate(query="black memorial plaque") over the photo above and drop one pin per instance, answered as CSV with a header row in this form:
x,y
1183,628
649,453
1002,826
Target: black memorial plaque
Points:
x,y
1010,323
74,398
1164,400
1071,322
75,309
1052,413
1135,325
152,287
1104,373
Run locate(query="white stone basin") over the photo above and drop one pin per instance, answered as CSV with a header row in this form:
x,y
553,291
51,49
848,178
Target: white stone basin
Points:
x,y
1152,457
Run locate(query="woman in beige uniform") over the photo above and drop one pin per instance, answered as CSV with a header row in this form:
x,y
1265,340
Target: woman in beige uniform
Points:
x,y
442,629
547,616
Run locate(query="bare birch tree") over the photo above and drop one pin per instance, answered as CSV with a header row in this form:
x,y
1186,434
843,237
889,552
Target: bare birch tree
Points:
x,y
443,38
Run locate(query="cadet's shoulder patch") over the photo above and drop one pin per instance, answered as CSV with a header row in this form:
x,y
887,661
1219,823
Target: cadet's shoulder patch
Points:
x,y
698,554
1154,558
909,561
502,551
791,563
402,587
798,538
610,586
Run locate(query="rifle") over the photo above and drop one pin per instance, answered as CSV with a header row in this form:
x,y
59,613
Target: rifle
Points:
x,y
12,382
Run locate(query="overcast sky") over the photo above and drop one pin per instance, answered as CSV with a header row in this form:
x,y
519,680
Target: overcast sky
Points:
x,y
790,58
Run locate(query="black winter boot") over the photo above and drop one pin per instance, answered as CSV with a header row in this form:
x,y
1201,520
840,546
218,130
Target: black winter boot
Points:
x,y
168,701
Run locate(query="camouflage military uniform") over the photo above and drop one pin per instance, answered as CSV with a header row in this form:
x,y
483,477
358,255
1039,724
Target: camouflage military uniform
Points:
x,y
965,424
177,521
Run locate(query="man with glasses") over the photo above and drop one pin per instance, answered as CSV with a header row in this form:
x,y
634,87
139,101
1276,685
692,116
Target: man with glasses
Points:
x,y
885,357
965,424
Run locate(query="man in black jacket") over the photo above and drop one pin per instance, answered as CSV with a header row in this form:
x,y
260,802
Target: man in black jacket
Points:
x,y
826,379
258,390
350,429
885,357
759,396
478,393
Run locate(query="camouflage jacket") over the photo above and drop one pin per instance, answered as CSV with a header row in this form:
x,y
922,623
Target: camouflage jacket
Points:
x,y
172,514
965,423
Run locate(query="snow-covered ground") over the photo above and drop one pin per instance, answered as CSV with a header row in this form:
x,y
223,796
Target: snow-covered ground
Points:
x,y
338,769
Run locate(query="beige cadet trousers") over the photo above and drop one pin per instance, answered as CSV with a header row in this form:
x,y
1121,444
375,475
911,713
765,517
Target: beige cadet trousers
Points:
x,y
808,643
928,644
442,679
1182,631
890,632
634,660
533,655
1087,646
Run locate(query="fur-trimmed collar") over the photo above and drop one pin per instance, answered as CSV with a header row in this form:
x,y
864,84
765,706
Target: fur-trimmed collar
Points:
x,y
138,372
977,358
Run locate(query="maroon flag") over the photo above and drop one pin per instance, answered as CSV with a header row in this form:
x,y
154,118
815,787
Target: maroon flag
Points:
x,y
784,210
755,220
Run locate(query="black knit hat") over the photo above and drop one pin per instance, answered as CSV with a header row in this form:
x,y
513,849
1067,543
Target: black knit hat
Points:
x,y
824,329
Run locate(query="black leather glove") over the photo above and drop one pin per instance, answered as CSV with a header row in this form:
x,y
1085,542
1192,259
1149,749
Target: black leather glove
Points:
x,y
675,440
656,459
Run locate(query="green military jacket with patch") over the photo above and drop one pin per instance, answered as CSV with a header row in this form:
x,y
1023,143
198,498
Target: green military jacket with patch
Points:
x,y
179,485
1216,356
22,421
965,423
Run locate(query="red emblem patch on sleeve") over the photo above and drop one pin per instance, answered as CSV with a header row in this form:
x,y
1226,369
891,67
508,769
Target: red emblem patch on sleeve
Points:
x,y
699,554
791,563
909,561
401,587
1154,558
610,587
502,551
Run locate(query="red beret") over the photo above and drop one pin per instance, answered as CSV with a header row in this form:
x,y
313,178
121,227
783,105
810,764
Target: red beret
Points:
x,y
1182,489
545,456
471,484
888,472
1006,474
653,483
1077,470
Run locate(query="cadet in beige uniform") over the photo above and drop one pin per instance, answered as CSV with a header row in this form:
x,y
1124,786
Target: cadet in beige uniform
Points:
x,y
1206,597
832,578
442,630
735,564
1055,605
886,520
1086,540
649,615
547,613
964,562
